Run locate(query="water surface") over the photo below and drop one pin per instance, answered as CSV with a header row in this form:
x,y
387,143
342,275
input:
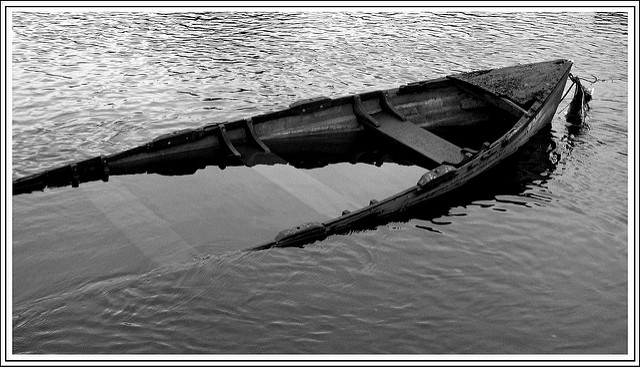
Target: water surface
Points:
x,y
529,259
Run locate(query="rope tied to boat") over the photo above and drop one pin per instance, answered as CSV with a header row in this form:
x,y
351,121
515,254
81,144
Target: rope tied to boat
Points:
x,y
579,104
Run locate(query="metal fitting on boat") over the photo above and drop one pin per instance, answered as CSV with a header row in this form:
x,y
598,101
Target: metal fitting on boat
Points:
x,y
434,174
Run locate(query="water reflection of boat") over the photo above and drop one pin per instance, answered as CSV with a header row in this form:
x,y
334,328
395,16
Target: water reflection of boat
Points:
x,y
456,127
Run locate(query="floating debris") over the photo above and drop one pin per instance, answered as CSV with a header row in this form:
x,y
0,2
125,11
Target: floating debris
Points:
x,y
580,103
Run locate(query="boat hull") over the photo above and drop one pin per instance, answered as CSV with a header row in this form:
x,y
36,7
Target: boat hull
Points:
x,y
456,127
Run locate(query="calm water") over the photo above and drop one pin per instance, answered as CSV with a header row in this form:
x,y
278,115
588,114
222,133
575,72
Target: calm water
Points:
x,y
531,259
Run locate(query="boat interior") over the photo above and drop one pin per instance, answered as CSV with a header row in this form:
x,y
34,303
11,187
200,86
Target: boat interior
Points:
x,y
427,124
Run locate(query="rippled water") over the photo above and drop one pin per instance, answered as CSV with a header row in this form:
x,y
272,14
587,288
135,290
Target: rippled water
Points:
x,y
529,259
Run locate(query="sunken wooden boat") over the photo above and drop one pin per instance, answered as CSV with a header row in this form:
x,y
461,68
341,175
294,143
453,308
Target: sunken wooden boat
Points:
x,y
455,127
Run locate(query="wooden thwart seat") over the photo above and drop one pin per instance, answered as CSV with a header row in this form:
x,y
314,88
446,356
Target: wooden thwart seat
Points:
x,y
390,124
418,139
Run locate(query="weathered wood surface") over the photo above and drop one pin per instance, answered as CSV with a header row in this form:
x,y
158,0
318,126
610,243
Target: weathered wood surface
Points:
x,y
523,84
418,140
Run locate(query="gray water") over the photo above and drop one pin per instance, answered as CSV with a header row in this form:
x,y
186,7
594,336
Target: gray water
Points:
x,y
531,259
